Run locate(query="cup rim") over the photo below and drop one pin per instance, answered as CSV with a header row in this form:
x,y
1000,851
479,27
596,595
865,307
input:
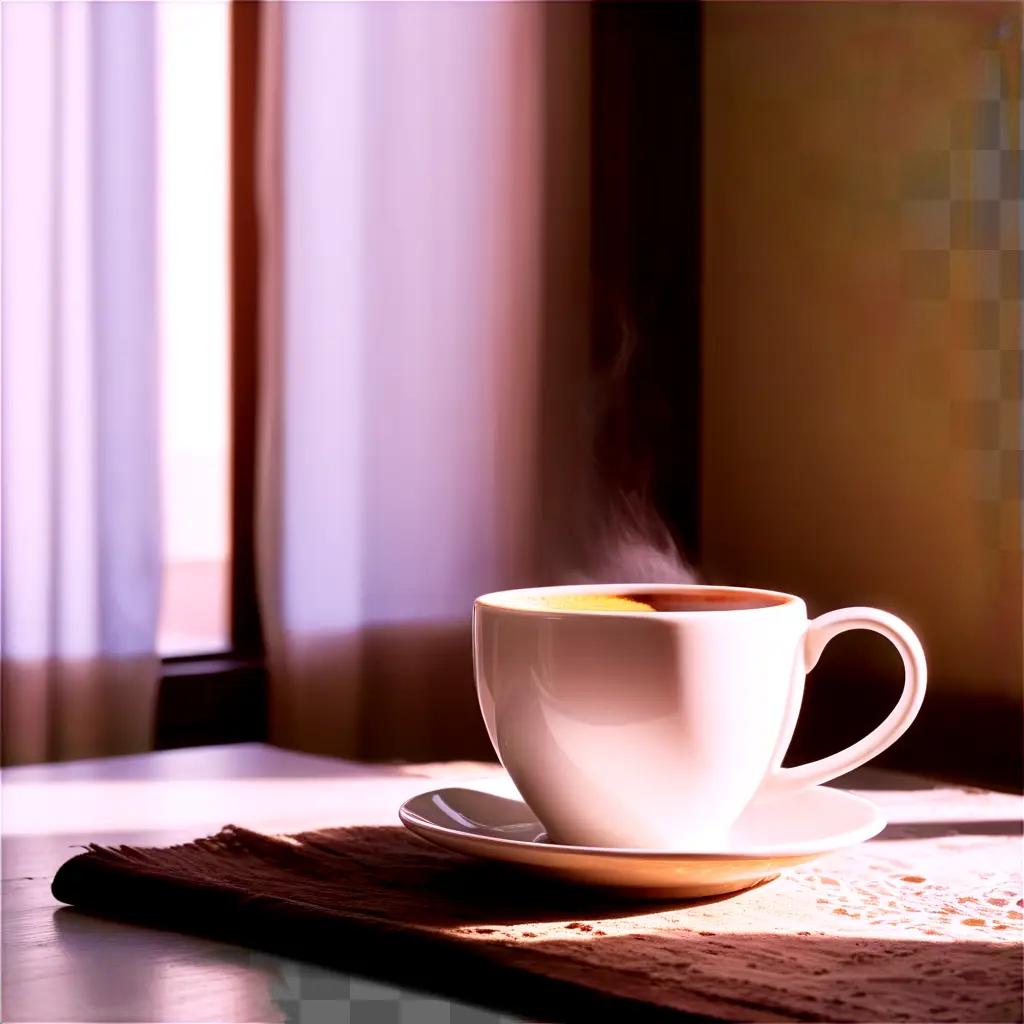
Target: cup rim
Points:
x,y
504,600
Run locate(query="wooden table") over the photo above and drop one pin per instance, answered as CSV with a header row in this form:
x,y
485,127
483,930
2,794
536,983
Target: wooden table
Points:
x,y
61,965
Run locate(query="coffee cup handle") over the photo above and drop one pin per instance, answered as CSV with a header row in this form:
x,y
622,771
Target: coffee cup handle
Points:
x,y
819,631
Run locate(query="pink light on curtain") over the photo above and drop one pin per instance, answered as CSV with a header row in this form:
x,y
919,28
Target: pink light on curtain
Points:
x,y
80,526
407,219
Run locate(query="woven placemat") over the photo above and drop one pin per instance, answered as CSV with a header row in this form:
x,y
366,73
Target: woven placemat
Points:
x,y
379,901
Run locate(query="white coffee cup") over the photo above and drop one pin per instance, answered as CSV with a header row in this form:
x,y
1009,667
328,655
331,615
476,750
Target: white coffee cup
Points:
x,y
654,729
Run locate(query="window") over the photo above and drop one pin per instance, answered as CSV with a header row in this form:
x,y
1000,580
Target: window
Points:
x,y
193,226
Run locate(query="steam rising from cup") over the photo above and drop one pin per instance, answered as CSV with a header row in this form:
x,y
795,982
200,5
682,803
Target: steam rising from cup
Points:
x,y
625,539
634,546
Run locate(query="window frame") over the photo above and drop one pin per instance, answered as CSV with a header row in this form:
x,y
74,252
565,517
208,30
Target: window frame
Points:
x,y
220,696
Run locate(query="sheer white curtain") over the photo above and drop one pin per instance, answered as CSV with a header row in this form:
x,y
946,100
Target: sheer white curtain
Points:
x,y
427,238
79,475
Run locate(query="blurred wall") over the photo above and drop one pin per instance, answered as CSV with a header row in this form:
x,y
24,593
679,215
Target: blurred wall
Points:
x,y
862,346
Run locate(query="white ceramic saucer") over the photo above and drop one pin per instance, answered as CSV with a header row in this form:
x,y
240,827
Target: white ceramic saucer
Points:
x,y
490,820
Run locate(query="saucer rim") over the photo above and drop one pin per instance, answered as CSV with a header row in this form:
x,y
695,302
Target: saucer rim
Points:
x,y
414,821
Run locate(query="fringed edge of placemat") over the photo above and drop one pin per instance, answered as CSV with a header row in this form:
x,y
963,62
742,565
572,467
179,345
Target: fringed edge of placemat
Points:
x,y
124,883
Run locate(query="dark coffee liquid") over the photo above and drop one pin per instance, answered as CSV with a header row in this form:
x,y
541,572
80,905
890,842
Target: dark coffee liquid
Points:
x,y
711,599
705,600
